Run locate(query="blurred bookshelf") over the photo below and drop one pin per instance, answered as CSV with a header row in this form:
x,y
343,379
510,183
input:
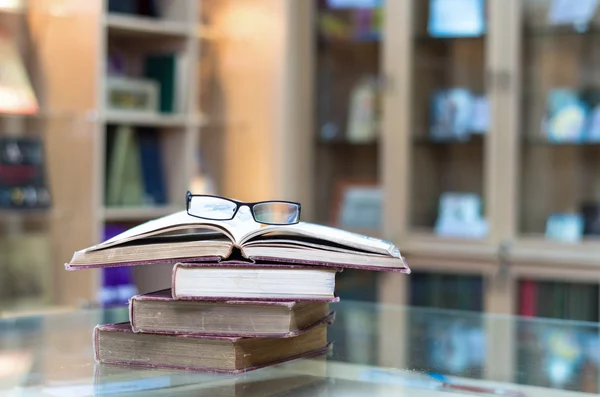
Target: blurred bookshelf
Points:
x,y
438,131
131,78
442,130
148,109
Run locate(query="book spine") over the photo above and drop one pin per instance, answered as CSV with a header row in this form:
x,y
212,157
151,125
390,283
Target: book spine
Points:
x,y
528,293
173,280
131,315
95,344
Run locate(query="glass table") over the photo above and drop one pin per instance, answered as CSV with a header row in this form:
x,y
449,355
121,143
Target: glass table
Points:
x,y
377,349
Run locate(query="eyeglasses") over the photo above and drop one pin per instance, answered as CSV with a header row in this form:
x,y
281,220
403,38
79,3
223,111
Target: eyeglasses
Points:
x,y
223,209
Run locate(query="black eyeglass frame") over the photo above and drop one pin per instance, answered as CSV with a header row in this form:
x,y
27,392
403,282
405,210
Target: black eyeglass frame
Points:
x,y
239,204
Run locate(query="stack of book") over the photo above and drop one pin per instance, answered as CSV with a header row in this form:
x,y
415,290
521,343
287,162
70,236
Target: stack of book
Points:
x,y
243,295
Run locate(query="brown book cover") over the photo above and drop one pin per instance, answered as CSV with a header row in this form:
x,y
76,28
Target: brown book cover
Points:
x,y
118,344
158,312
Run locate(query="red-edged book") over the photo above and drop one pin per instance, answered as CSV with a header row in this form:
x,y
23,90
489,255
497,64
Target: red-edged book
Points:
x,y
118,344
158,312
180,237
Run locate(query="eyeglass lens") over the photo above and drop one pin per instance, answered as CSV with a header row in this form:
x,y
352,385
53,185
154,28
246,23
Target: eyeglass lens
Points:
x,y
272,212
276,213
212,208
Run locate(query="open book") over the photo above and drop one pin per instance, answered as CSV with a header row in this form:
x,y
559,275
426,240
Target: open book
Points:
x,y
180,237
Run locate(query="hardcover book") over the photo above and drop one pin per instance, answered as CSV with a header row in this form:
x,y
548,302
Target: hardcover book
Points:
x,y
248,281
180,237
118,344
158,312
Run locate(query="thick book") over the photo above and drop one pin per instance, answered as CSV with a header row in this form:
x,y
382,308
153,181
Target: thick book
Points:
x,y
118,344
158,312
238,280
180,237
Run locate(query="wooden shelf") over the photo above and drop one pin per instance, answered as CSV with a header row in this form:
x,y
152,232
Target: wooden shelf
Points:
x,y
540,141
125,25
344,142
474,139
428,244
129,214
426,39
558,31
147,120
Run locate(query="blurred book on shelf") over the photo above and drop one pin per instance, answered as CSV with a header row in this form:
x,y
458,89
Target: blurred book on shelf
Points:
x,y
457,114
168,69
460,216
147,8
23,181
565,227
364,111
446,291
572,12
16,92
26,268
457,18
359,21
118,285
134,167
566,116
357,205
568,301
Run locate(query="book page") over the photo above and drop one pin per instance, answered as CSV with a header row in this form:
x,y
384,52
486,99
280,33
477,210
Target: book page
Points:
x,y
234,229
305,243
334,235
243,227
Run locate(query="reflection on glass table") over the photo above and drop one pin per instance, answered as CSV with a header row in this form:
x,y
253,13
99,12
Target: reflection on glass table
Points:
x,y
377,350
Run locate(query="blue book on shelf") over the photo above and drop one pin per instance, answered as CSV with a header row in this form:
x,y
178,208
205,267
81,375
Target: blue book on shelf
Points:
x,y
152,167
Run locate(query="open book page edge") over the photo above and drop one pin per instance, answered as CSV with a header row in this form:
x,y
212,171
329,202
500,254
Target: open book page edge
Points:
x,y
235,229
296,244
77,266
334,235
166,224
403,268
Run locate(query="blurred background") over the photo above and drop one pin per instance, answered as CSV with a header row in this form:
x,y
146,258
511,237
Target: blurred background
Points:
x,y
467,132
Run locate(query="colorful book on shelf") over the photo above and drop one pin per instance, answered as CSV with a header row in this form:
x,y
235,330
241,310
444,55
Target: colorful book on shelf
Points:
x,y
23,182
134,168
158,312
152,167
120,146
180,237
25,266
117,282
169,70
527,298
118,344
132,193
